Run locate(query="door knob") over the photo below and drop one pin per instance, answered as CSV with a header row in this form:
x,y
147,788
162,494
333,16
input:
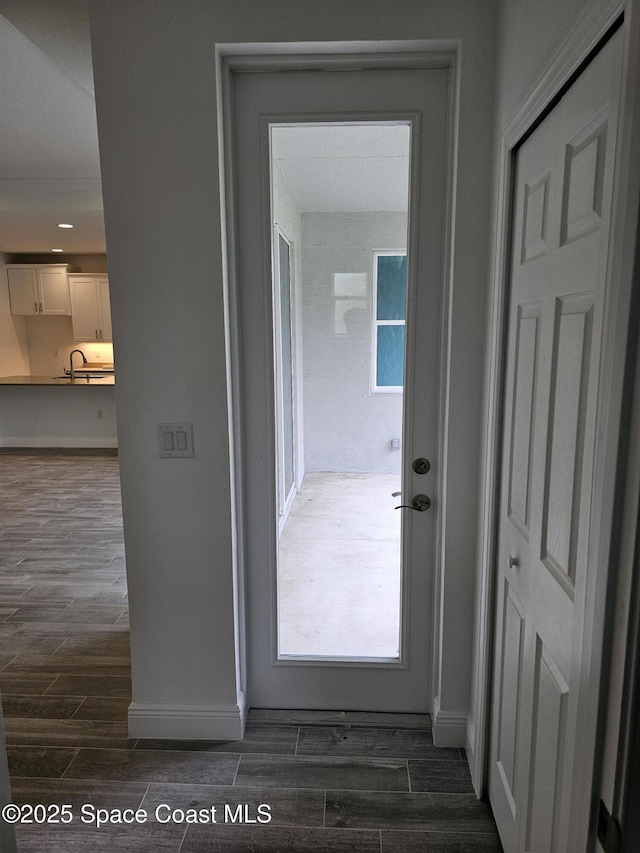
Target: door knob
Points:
x,y
420,503
513,562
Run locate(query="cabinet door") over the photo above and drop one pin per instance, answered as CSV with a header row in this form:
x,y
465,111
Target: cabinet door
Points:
x,y
53,286
104,309
23,291
84,305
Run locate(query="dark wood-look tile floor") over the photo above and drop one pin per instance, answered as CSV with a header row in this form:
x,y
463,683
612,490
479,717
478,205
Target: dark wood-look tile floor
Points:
x,y
328,781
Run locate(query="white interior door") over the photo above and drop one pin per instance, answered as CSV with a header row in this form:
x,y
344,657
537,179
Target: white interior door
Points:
x,y
263,103
559,250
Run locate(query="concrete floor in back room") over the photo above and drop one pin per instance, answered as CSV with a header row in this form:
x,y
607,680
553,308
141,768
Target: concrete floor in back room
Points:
x,y
339,567
332,781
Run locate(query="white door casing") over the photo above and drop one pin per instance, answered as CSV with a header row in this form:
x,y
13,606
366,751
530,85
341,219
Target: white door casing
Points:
x,y
560,237
419,97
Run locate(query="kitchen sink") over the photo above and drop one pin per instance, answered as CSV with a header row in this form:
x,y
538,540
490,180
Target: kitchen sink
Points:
x,y
84,376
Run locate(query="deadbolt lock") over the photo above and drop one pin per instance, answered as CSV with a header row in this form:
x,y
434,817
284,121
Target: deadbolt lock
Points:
x,y
421,465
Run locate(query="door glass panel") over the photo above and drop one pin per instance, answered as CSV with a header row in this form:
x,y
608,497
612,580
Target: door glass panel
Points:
x,y
339,192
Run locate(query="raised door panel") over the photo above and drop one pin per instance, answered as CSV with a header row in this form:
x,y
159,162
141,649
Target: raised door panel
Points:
x,y
512,642
548,738
23,291
584,182
522,419
53,286
535,218
566,431
84,309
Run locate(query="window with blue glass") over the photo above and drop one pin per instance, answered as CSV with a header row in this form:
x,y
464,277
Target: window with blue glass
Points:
x,y
390,307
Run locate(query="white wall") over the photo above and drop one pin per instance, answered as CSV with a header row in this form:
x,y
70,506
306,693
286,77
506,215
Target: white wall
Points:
x,y
530,33
349,428
57,416
47,336
14,346
87,263
156,77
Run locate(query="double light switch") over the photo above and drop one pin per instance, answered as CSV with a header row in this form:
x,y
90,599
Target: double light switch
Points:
x,y
176,440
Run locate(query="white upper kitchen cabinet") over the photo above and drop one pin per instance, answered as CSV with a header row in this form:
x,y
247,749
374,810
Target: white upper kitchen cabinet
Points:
x,y
39,288
90,308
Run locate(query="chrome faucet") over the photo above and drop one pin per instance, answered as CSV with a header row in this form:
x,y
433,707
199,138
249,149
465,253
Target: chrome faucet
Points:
x,y
84,361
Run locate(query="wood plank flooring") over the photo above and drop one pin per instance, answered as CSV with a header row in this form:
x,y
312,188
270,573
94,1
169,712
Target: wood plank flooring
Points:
x,y
367,783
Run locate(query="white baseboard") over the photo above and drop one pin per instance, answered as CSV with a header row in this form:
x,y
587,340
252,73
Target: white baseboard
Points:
x,y
186,722
449,727
470,743
173,721
475,766
56,441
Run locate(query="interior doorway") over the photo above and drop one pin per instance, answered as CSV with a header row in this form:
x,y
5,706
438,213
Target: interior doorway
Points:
x,y
563,182
387,304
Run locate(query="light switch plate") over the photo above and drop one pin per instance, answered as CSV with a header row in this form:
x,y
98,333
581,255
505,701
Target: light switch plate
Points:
x,y
175,440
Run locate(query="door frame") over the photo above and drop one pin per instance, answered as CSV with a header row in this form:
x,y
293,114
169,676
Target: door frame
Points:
x,y
277,57
287,500
597,22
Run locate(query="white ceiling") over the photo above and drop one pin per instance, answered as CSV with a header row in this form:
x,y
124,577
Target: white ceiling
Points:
x,y
344,167
49,163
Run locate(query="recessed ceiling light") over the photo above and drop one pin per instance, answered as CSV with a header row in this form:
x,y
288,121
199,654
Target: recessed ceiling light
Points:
x,y
65,225
57,250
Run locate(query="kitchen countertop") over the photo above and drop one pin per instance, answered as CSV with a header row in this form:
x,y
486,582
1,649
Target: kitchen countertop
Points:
x,y
108,379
